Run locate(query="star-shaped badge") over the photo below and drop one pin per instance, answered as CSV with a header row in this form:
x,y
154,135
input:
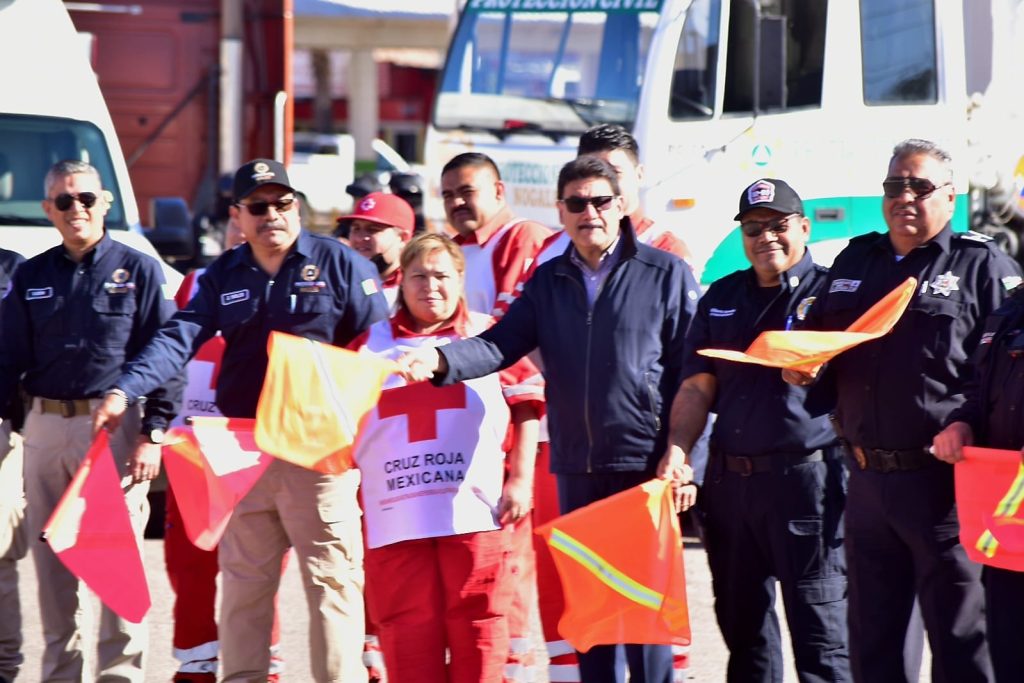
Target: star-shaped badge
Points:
x,y
946,283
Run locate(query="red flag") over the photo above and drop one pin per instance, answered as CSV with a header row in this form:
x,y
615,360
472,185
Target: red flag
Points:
x,y
621,564
91,533
211,465
314,396
990,505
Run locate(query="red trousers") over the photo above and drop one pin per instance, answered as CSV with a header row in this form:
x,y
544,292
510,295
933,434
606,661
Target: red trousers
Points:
x,y
193,576
452,592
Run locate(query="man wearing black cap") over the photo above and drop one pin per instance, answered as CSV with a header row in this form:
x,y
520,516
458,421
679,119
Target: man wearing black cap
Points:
x,y
286,279
773,495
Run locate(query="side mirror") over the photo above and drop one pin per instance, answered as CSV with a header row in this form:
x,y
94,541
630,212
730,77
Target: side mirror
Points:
x,y
172,232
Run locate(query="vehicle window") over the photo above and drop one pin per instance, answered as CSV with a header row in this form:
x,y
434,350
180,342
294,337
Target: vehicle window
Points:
x,y
898,51
792,55
29,146
693,79
548,71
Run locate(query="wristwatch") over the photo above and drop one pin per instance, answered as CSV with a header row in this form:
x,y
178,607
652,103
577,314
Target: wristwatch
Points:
x,y
155,436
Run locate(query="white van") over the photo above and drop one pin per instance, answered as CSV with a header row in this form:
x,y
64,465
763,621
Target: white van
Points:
x,y
721,92
51,109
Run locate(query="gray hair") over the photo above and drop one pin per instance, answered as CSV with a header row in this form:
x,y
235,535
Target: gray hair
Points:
x,y
916,146
63,169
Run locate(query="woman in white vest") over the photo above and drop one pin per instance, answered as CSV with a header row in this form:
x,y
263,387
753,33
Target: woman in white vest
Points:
x,y
436,498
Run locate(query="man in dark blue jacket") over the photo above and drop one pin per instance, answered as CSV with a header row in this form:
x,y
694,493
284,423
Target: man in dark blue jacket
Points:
x,y
609,317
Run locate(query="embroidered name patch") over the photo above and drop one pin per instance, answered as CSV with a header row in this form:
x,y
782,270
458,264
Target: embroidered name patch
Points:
x,y
39,293
229,298
721,312
844,286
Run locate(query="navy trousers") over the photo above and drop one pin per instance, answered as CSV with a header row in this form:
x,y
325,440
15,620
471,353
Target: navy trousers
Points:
x,y
780,525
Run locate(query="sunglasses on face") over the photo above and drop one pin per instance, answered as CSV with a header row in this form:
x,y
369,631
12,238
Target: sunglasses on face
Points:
x,y
261,208
63,201
755,229
579,204
921,188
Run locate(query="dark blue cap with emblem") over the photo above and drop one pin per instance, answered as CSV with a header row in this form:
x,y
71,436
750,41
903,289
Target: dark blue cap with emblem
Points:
x,y
770,193
257,173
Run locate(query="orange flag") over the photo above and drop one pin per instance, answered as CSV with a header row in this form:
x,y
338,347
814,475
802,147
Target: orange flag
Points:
x,y
990,505
211,465
808,349
621,564
313,399
91,533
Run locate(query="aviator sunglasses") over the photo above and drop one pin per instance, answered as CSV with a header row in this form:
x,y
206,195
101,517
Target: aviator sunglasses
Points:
x,y
261,208
63,201
579,204
921,188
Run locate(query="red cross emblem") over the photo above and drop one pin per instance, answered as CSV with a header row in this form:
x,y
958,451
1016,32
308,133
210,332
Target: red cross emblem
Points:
x,y
420,403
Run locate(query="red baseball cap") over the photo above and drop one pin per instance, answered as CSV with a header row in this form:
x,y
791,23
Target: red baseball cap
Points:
x,y
385,209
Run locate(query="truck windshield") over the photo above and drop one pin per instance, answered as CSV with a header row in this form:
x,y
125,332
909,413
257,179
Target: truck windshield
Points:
x,y
547,71
29,145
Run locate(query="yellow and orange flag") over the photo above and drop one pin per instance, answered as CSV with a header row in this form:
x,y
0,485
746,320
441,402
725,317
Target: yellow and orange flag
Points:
x,y
621,565
809,349
91,533
990,505
314,396
211,465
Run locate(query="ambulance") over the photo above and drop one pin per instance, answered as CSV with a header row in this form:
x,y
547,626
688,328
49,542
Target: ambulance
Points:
x,y
51,109
721,92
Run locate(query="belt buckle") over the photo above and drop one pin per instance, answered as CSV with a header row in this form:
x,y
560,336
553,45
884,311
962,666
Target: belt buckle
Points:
x,y
888,461
747,465
67,408
860,457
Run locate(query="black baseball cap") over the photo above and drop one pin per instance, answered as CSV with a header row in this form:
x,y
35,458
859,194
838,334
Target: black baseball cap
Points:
x,y
770,193
257,173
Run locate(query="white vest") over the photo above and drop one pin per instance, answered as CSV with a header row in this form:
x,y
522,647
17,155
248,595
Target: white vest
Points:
x,y
431,458
200,394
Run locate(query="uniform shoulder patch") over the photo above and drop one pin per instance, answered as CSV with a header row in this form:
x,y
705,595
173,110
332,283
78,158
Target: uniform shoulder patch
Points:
x,y
972,236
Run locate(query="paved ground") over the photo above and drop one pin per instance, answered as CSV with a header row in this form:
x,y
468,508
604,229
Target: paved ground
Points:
x,y
708,652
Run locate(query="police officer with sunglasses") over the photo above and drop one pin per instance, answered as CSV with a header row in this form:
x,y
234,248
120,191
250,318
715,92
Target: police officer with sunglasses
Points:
x,y
73,317
286,279
894,395
773,494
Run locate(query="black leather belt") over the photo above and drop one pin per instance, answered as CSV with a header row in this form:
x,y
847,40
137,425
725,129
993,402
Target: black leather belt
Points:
x,y
745,465
885,460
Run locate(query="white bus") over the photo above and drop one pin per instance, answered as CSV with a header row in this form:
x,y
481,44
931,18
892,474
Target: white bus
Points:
x,y
721,92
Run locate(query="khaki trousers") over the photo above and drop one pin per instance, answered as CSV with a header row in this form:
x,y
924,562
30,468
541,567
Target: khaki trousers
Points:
x,y
12,548
319,516
54,448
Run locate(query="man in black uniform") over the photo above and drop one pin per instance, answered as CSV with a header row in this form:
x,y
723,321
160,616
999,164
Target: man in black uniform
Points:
x,y
74,315
894,395
991,416
12,511
773,494
286,279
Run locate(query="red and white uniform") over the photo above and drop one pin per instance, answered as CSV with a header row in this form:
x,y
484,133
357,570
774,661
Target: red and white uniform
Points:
x,y
390,287
432,467
193,572
563,665
498,257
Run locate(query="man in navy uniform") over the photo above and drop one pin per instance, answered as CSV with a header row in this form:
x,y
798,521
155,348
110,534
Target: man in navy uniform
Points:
x,y
894,394
773,494
285,279
73,317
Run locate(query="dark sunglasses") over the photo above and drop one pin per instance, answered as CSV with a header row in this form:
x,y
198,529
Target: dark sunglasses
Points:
x,y
921,188
755,229
579,204
63,201
261,208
